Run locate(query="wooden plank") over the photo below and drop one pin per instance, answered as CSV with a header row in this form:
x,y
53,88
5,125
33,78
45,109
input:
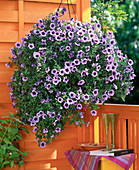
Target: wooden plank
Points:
x,y
46,164
5,76
4,16
9,36
65,143
8,5
46,154
4,68
21,18
6,109
50,1
6,46
86,10
4,93
68,133
9,26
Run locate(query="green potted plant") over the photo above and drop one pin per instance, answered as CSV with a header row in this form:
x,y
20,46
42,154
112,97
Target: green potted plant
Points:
x,y
10,134
60,65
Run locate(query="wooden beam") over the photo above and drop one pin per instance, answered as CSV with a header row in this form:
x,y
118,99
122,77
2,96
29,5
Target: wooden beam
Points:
x,y
21,19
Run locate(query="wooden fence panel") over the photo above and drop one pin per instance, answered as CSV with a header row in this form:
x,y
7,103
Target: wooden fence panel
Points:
x,y
129,114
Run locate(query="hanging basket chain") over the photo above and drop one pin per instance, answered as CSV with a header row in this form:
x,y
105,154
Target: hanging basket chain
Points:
x,y
69,9
74,10
60,4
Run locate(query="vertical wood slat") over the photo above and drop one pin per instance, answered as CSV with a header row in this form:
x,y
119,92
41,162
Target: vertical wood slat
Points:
x,y
21,18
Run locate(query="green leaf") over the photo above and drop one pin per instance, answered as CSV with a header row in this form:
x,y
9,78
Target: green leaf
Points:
x,y
25,129
11,164
6,140
3,121
6,163
24,154
1,158
13,130
5,117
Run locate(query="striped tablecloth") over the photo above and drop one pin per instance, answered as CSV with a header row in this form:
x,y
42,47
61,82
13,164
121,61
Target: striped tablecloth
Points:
x,y
82,160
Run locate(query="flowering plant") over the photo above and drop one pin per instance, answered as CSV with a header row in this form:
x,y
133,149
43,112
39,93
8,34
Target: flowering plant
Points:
x,y
59,66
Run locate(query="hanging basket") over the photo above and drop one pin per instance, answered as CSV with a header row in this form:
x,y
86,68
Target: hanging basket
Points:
x,y
60,65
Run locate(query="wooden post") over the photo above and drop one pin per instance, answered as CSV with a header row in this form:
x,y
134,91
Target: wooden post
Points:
x,y
21,18
86,10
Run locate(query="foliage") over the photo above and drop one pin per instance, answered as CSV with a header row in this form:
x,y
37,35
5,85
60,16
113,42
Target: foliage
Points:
x,y
59,66
10,155
127,37
122,18
108,13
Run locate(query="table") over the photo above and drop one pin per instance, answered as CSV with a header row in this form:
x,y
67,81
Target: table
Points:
x,y
82,160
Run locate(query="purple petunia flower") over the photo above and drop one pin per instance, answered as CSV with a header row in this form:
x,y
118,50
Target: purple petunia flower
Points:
x,y
64,9
86,97
72,95
45,130
58,130
69,101
48,86
36,32
112,42
104,97
34,93
42,144
58,116
74,69
53,19
71,34
61,72
60,99
43,33
53,114
31,46
66,105
34,129
36,119
67,70
68,27
81,82
130,62
52,26
68,48
24,78
56,13
79,106
76,62
65,79
18,45
36,54
54,71
32,123
94,73
111,92
30,119
44,116
93,112
104,36
95,92
67,64
111,78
